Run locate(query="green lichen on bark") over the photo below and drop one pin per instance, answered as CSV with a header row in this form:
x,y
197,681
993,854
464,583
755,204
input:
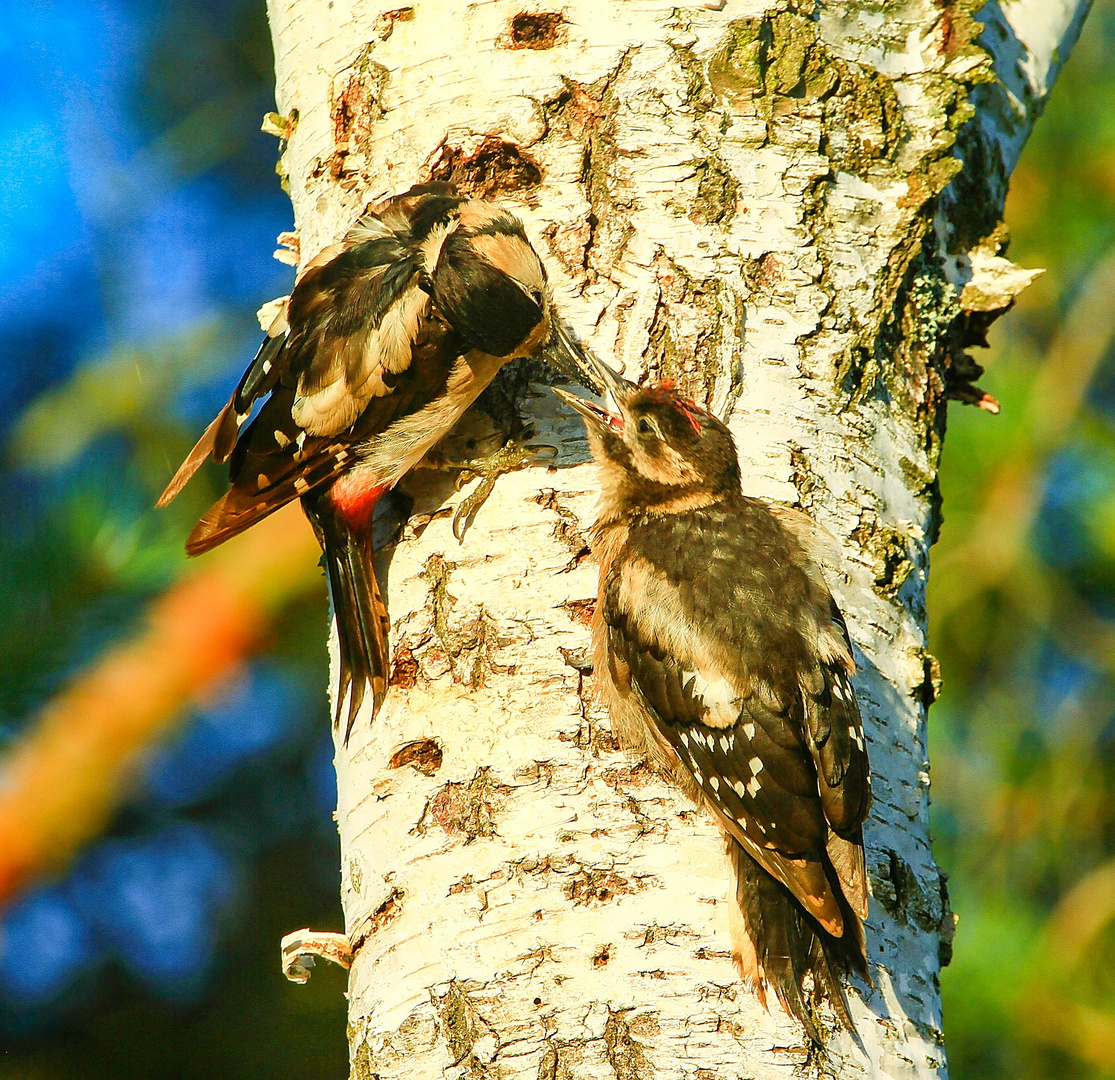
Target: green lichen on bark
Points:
x,y
626,1057
414,1038
361,1068
436,572
466,645
589,113
694,362
778,72
357,105
918,354
777,68
717,190
888,550
462,1028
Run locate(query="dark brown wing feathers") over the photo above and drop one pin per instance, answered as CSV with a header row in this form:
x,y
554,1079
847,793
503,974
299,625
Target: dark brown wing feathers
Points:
x,y
202,451
762,714
318,336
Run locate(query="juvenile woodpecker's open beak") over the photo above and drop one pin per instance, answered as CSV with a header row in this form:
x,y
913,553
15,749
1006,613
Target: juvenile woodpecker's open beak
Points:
x,y
616,389
594,415
612,386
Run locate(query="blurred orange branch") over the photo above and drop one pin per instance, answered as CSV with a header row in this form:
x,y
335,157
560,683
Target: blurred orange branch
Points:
x,y
62,781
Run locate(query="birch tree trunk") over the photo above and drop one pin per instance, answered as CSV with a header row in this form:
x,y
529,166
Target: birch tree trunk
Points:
x,y
746,197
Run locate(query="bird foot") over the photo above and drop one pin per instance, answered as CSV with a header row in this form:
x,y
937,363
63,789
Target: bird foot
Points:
x,y
508,458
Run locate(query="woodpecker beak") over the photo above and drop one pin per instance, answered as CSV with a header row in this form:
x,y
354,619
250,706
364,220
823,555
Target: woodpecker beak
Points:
x,y
571,358
595,417
615,389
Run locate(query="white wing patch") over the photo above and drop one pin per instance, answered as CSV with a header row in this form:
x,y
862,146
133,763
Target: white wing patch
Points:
x,y
717,696
387,349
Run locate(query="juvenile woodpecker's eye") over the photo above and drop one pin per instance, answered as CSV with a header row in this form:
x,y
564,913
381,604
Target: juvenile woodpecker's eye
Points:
x,y
645,427
536,296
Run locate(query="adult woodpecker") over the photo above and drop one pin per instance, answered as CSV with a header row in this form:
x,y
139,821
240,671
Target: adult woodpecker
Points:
x,y
387,338
724,659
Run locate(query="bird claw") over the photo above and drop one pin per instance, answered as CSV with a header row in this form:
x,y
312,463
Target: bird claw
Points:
x,y
507,458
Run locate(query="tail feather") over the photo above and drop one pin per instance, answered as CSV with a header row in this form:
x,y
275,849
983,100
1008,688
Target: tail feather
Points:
x,y
358,609
783,945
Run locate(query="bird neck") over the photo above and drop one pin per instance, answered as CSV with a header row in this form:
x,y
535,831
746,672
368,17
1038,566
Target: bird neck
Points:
x,y
624,494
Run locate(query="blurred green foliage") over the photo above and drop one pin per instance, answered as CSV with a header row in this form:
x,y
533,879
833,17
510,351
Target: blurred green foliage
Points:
x,y
1022,598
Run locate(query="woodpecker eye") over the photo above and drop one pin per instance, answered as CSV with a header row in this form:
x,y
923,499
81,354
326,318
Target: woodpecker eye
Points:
x,y
536,296
645,427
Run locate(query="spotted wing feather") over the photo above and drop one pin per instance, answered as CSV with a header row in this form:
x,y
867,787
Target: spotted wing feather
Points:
x,y
275,462
343,337
724,676
756,774
836,733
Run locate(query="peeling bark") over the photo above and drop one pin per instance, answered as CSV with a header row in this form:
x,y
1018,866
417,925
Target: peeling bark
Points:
x,y
764,204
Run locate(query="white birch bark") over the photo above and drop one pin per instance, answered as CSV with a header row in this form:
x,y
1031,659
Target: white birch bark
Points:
x,y
743,197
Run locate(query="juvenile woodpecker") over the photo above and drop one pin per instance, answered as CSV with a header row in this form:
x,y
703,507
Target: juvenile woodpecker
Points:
x,y
724,659
387,338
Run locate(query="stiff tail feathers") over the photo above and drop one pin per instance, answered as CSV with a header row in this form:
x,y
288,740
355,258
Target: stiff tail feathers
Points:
x,y
779,944
359,611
